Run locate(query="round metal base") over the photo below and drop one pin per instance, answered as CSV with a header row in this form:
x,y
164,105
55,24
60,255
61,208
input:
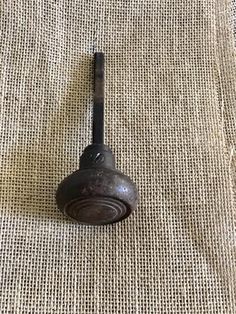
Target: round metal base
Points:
x,y
96,210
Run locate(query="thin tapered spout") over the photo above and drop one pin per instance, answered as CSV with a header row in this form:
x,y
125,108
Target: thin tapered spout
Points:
x,y
98,104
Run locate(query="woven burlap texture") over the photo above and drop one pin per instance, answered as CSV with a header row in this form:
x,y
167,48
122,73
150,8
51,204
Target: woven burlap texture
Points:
x,y
170,120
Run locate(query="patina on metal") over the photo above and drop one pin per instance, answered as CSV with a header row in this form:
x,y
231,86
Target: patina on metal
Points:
x,y
97,193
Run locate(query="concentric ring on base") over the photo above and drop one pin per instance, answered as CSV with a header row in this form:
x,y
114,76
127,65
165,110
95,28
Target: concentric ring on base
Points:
x,y
96,210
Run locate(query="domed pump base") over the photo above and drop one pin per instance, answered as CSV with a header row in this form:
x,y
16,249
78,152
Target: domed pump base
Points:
x,y
97,193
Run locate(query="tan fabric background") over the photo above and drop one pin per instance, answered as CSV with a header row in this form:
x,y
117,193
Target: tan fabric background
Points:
x,y
170,119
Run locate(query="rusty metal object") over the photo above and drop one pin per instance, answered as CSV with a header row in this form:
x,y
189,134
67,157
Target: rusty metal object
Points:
x,y
97,193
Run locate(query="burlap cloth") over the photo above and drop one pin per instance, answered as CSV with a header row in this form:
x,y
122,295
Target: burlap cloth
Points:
x,y
170,120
